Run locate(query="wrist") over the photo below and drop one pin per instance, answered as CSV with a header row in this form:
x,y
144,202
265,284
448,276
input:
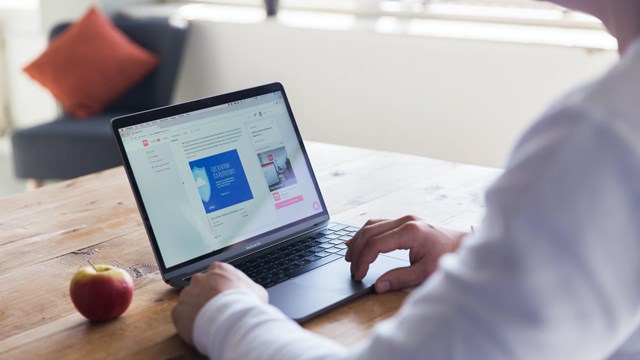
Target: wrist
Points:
x,y
456,237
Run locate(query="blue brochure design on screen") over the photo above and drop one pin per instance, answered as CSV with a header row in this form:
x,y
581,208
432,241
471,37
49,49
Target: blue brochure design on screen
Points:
x,y
221,181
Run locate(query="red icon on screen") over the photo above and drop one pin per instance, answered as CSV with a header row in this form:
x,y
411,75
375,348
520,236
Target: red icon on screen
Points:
x,y
316,206
276,196
145,142
270,157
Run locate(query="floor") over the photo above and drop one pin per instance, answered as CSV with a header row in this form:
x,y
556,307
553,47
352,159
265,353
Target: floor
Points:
x,y
8,183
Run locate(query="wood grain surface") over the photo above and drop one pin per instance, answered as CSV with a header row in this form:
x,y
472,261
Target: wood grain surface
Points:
x,y
48,234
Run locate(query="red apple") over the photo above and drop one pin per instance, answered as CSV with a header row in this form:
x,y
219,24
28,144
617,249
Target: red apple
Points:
x,y
101,292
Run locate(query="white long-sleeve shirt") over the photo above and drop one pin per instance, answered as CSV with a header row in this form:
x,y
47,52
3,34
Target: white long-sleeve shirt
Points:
x,y
553,272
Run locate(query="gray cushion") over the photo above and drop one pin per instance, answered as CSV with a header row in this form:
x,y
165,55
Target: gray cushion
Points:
x,y
65,148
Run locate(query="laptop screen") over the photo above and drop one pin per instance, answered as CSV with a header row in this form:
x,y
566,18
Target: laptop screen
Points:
x,y
214,177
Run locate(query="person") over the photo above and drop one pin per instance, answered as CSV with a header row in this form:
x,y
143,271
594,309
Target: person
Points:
x,y
551,273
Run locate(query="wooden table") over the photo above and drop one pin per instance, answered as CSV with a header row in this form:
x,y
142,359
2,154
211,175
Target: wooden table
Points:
x,y
47,234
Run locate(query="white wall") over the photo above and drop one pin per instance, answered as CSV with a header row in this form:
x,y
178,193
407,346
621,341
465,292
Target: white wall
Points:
x,y
452,99
4,118
23,39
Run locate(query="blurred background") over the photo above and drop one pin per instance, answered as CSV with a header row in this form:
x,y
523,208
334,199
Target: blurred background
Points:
x,y
457,80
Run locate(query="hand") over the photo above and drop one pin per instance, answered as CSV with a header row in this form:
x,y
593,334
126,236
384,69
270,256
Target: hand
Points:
x,y
204,286
425,243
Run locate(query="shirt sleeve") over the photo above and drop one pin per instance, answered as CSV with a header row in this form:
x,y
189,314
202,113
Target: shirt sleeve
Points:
x,y
552,272
237,325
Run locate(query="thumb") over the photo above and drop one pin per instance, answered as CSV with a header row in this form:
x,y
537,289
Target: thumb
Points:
x,y
399,278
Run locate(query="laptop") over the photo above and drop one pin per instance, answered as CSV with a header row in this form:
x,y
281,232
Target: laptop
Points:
x,y
227,178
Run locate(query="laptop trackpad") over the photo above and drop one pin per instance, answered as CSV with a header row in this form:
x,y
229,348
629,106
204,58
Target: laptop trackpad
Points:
x,y
326,287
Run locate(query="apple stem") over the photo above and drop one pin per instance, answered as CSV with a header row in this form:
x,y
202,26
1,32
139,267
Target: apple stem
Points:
x,y
94,267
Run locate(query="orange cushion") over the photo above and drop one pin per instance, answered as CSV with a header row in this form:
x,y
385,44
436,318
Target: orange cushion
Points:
x,y
90,65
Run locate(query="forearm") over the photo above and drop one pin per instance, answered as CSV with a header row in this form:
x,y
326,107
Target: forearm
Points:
x,y
236,325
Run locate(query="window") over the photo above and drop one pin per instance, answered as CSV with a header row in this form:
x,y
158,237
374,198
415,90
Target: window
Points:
x,y
507,21
509,11
524,12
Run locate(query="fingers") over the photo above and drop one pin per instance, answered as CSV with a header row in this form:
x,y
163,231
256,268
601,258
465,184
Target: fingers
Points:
x,y
371,229
363,237
368,223
225,270
219,266
400,278
224,276
405,236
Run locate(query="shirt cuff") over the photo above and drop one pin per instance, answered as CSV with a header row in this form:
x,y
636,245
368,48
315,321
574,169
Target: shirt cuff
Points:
x,y
214,313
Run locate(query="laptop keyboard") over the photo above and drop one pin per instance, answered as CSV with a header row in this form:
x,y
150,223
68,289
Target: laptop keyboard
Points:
x,y
273,266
